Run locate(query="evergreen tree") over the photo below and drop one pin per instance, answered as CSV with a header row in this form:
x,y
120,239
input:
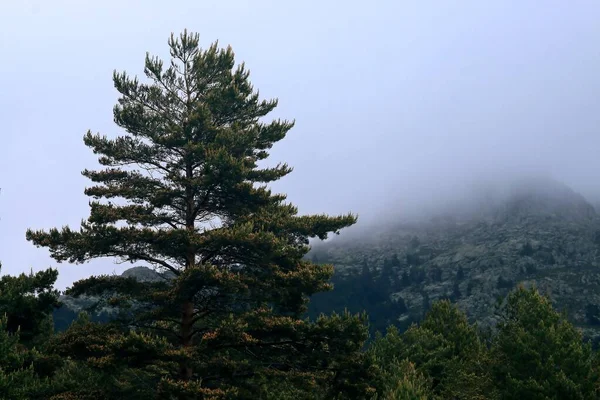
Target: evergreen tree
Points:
x,y
538,354
26,305
459,364
384,281
408,384
110,362
18,379
27,301
446,349
184,194
398,378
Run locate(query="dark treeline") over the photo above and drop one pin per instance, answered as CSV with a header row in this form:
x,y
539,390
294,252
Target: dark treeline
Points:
x,y
231,321
369,289
534,353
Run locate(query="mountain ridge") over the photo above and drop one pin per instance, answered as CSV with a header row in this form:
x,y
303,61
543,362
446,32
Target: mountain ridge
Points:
x,y
531,232
537,232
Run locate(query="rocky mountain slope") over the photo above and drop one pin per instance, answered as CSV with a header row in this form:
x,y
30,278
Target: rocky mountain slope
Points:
x,y
535,232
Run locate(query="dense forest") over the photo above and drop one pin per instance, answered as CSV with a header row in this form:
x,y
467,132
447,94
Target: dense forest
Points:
x,y
182,192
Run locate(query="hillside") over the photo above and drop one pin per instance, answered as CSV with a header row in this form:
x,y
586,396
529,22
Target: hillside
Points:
x,y
535,231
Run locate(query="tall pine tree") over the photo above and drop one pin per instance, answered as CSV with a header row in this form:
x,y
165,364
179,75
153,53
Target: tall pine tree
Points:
x,y
182,192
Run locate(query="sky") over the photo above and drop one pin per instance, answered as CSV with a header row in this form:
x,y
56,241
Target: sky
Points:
x,y
396,103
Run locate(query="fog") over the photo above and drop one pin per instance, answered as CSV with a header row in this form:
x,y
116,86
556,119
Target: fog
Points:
x,y
398,104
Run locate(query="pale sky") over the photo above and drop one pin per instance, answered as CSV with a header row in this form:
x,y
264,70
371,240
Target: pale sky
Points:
x,y
394,101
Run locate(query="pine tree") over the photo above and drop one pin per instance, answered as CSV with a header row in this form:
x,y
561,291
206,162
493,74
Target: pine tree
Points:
x,y
384,281
539,354
446,349
26,305
27,301
183,193
18,379
398,378
458,362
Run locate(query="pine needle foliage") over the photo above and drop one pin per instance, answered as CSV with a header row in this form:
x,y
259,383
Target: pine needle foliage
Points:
x,y
182,190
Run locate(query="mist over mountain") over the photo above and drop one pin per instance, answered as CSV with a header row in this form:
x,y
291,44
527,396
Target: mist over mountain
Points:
x,y
479,199
531,230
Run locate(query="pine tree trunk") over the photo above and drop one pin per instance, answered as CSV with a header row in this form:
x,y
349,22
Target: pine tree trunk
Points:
x,y
188,306
186,337
187,327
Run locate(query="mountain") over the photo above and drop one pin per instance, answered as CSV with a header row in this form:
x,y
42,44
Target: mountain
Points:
x,y
530,231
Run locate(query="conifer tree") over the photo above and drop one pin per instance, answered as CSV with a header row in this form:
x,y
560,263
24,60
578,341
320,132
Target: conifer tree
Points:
x,y
539,354
27,301
446,349
26,305
18,379
182,191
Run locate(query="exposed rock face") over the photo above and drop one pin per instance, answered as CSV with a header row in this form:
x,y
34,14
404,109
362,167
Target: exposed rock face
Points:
x,y
145,274
536,232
